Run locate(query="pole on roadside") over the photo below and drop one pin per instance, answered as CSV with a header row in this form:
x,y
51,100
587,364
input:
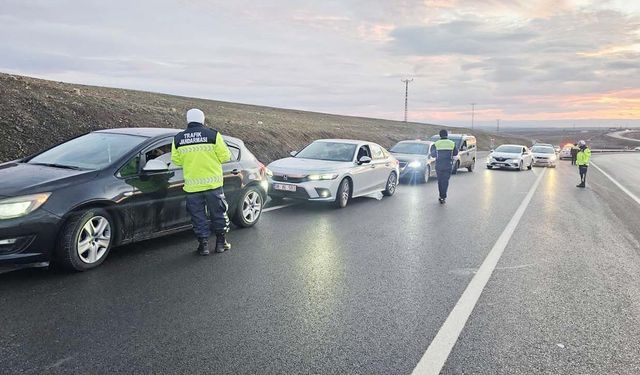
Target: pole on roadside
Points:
x,y
406,97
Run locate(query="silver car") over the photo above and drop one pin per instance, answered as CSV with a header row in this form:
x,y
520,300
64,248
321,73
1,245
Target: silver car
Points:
x,y
544,156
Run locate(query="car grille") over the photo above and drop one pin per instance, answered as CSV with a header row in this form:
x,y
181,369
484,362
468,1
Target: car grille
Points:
x,y
500,159
541,158
289,178
300,193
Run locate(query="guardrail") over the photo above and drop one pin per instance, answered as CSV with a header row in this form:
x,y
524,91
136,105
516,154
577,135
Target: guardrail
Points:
x,y
612,150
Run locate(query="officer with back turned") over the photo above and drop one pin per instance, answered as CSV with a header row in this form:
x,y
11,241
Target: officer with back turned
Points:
x,y
201,151
444,152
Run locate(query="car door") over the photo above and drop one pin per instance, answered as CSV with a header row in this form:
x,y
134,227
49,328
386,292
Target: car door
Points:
x,y
382,168
363,175
232,171
464,154
157,201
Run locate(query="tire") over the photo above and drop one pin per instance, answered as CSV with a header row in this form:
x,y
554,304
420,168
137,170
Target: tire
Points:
x,y
456,167
489,167
427,174
392,185
343,194
521,166
249,208
472,166
85,240
530,165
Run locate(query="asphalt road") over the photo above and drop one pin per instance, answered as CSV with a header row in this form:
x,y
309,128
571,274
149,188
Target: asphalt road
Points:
x,y
366,289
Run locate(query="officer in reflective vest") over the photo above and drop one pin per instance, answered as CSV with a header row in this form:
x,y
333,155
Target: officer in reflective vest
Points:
x,y
201,151
582,160
444,151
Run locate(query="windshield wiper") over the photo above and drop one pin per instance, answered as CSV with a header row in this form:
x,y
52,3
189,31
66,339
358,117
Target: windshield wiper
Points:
x,y
54,165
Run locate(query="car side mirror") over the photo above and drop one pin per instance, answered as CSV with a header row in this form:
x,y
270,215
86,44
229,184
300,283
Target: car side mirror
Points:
x,y
293,153
364,160
155,166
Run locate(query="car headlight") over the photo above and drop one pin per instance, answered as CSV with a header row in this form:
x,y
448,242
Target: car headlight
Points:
x,y
326,176
415,164
20,206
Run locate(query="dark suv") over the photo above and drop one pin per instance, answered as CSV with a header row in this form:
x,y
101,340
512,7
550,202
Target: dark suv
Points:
x,y
72,203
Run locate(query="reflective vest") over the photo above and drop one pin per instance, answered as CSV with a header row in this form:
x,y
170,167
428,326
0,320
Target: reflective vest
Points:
x,y
583,157
200,151
444,150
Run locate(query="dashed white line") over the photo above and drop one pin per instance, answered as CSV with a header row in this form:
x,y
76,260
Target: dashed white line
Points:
x,y
629,193
436,355
277,207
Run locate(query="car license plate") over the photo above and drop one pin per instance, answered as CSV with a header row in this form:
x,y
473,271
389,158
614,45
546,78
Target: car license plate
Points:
x,y
285,187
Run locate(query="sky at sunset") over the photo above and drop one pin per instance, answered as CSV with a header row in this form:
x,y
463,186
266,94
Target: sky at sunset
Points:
x,y
525,62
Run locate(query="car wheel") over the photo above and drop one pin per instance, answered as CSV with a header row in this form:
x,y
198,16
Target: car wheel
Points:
x,y
249,208
344,193
392,183
472,166
427,174
521,166
85,240
456,167
489,167
530,165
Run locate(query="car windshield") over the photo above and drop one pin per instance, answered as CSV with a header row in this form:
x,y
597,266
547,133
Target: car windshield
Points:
x,y
509,149
90,151
543,150
410,148
333,151
456,140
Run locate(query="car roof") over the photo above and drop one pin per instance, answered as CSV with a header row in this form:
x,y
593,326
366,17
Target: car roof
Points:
x,y
416,141
513,145
338,140
157,132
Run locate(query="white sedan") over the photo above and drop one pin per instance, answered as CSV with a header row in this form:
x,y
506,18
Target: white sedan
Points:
x,y
544,156
334,170
515,157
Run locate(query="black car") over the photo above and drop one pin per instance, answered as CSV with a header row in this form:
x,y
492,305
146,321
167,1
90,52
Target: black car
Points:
x,y
416,163
72,203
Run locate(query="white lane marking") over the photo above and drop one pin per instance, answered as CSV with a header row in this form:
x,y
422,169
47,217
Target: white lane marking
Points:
x,y
436,355
630,194
277,207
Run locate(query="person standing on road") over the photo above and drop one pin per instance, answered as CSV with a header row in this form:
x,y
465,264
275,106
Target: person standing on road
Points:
x,y
574,153
582,160
444,151
201,151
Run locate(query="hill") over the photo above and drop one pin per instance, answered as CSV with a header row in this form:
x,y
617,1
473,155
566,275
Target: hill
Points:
x,y
36,114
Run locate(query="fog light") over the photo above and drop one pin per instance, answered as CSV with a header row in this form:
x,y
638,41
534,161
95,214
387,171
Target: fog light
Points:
x,y
323,193
8,241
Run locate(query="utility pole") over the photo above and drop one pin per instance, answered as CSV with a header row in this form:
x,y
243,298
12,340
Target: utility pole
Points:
x,y
473,112
498,126
406,97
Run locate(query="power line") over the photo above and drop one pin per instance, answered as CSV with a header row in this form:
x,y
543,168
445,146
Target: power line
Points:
x,y
406,97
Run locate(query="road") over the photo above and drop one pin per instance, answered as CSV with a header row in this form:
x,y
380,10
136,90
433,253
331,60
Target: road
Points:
x,y
621,135
366,289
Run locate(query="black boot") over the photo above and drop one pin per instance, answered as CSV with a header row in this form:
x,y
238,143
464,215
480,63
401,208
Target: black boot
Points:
x,y
221,243
203,247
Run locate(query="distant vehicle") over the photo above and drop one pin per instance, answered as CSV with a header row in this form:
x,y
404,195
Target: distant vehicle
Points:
x,y
72,203
416,163
334,170
565,153
544,156
636,149
515,157
466,145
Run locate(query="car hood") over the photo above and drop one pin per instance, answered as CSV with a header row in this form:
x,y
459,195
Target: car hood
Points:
x,y
408,157
504,155
306,165
21,178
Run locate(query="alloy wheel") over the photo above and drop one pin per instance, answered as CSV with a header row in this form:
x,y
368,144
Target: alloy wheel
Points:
x,y
94,239
252,207
344,193
391,183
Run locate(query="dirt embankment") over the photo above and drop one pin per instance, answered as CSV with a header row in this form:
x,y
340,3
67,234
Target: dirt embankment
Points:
x,y
35,114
